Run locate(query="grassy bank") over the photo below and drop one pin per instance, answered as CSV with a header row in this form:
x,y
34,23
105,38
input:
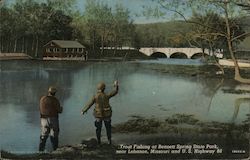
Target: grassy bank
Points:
x,y
173,130
209,71
118,55
180,124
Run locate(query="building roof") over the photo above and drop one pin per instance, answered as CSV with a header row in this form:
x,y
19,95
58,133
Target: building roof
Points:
x,y
66,44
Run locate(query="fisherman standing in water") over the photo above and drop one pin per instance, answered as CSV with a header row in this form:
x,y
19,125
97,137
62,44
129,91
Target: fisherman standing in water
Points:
x,y
102,111
49,110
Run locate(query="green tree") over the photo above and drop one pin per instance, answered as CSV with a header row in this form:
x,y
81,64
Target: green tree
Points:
x,y
91,22
7,20
245,4
66,6
29,24
107,27
59,26
122,27
228,9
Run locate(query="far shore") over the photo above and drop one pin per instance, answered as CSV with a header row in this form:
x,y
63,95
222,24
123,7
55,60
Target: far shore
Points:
x,y
14,56
206,69
108,57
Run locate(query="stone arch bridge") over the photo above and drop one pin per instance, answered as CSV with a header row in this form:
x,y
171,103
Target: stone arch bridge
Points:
x,y
184,52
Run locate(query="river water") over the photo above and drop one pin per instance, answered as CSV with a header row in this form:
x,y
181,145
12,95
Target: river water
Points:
x,y
143,92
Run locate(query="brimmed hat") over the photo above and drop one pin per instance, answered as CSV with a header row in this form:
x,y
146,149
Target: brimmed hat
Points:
x,y
101,86
52,89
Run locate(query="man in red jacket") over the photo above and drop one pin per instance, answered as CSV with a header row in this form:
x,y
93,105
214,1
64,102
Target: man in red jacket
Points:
x,y
49,110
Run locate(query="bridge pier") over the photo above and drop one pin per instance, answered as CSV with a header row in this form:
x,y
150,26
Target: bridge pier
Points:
x,y
189,52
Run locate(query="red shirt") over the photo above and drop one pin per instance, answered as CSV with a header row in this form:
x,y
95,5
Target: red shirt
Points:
x,y
49,107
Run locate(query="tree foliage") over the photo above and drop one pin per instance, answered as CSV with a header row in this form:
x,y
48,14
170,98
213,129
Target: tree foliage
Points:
x,y
229,10
211,34
245,4
167,34
28,25
107,27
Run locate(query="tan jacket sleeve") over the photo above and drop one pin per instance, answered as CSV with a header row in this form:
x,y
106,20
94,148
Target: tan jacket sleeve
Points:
x,y
88,105
114,92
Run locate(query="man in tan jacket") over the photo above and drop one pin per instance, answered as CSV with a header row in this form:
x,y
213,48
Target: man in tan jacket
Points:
x,y
49,110
102,111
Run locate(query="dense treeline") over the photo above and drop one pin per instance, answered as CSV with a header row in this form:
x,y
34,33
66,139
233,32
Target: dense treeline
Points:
x,y
103,26
27,25
168,34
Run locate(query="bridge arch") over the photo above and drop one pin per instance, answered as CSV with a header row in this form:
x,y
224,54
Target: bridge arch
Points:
x,y
179,55
199,55
159,55
175,52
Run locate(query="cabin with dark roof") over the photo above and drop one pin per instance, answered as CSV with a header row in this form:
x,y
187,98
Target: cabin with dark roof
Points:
x,y
62,49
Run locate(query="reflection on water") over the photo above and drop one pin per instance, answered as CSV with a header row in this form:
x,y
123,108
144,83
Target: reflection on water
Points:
x,y
175,61
143,92
240,102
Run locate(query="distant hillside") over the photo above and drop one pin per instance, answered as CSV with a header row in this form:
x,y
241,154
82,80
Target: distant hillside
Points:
x,y
159,34
246,43
169,28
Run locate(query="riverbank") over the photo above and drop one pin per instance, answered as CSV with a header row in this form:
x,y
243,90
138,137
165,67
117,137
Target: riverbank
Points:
x,y
126,54
179,129
14,56
88,150
230,63
198,70
107,55
192,68
202,68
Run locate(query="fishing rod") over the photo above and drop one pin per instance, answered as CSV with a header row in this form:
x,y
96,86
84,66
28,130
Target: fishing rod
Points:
x,y
117,71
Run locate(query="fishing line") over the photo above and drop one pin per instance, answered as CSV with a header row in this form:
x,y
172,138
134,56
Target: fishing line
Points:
x,y
117,74
120,65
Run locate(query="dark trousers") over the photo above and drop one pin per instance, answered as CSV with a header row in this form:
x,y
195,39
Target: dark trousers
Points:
x,y
43,139
49,127
98,125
